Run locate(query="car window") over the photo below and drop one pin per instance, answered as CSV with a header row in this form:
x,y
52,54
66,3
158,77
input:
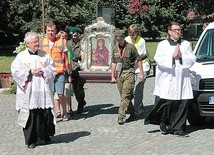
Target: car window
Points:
x,y
205,50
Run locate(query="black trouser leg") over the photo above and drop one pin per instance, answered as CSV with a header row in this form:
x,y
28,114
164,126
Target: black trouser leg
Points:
x,y
179,121
30,129
165,118
49,127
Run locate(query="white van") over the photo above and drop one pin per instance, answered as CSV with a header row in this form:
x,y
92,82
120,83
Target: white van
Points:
x,y
202,106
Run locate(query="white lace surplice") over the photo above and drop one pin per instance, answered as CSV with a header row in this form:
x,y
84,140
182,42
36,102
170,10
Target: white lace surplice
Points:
x,y
40,96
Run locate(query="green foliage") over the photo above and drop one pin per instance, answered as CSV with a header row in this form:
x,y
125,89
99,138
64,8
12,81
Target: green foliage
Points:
x,y
151,48
22,46
5,62
11,90
19,16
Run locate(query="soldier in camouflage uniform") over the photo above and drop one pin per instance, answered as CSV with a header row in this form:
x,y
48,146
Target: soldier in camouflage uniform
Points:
x,y
124,59
77,81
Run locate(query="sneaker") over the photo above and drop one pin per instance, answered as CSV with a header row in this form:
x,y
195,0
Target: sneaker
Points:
x,y
65,117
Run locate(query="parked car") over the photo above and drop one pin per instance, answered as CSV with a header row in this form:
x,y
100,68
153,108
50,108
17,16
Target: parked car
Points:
x,y
202,106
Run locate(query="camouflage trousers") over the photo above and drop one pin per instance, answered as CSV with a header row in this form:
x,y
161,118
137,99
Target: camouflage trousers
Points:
x,y
125,84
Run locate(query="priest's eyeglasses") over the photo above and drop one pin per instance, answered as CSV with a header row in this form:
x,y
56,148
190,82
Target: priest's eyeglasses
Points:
x,y
174,30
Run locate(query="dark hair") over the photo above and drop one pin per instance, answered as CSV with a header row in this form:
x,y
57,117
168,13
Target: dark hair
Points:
x,y
172,23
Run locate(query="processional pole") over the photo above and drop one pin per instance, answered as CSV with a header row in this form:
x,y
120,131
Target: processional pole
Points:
x,y
43,17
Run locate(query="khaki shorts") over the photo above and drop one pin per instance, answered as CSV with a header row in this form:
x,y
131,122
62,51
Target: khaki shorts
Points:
x,y
68,90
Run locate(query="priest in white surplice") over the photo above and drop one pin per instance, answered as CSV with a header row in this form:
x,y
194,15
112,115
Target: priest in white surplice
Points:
x,y
173,89
33,71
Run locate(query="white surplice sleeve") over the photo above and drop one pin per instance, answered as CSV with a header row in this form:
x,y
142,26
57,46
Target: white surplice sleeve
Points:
x,y
163,55
188,58
19,70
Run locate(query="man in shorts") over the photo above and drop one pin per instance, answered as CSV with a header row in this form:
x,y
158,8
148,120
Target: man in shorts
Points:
x,y
56,48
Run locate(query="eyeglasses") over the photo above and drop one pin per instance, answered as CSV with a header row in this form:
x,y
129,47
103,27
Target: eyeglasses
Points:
x,y
174,30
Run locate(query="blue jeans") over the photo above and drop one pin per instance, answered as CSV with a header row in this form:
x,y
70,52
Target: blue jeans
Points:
x,y
59,84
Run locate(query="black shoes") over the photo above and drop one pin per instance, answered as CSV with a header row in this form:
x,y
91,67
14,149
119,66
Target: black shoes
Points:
x,y
80,107
180,133
32,146
163,128
120,121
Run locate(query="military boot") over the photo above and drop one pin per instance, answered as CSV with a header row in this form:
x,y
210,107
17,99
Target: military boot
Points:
x,y
121,121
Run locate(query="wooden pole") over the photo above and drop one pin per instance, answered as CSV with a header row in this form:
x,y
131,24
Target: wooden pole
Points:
x,y
43,17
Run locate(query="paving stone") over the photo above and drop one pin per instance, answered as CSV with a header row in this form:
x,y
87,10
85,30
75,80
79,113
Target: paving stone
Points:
x,y
96,131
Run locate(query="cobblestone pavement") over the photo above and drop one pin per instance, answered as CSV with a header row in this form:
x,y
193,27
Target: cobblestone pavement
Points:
x,y
96,131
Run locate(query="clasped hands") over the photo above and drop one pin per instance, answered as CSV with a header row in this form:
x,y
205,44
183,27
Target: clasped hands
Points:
x,y
177,53
36,71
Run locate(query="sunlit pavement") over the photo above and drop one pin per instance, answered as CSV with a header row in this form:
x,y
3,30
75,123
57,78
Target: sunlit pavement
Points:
x,y
96,132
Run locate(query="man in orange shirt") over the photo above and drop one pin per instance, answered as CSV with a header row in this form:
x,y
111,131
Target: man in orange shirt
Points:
x,y
56,48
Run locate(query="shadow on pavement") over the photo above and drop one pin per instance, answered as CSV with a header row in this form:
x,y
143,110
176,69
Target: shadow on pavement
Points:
x,y
69,137
209,124
65,138
93,110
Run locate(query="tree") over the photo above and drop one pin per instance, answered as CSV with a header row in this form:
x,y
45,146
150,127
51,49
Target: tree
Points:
x,y
202,10
152,16
20,16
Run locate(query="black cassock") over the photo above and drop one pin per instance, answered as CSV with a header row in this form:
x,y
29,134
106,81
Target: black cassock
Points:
x,y
39,125
171,112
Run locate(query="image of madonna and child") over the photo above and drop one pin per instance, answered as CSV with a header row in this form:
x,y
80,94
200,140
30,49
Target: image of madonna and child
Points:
x,y
100,55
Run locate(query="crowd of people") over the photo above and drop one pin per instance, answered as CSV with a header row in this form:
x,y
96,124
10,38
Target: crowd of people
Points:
x,y
47,76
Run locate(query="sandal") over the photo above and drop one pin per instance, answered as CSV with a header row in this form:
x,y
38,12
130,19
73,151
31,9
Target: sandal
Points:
x,y
58,115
